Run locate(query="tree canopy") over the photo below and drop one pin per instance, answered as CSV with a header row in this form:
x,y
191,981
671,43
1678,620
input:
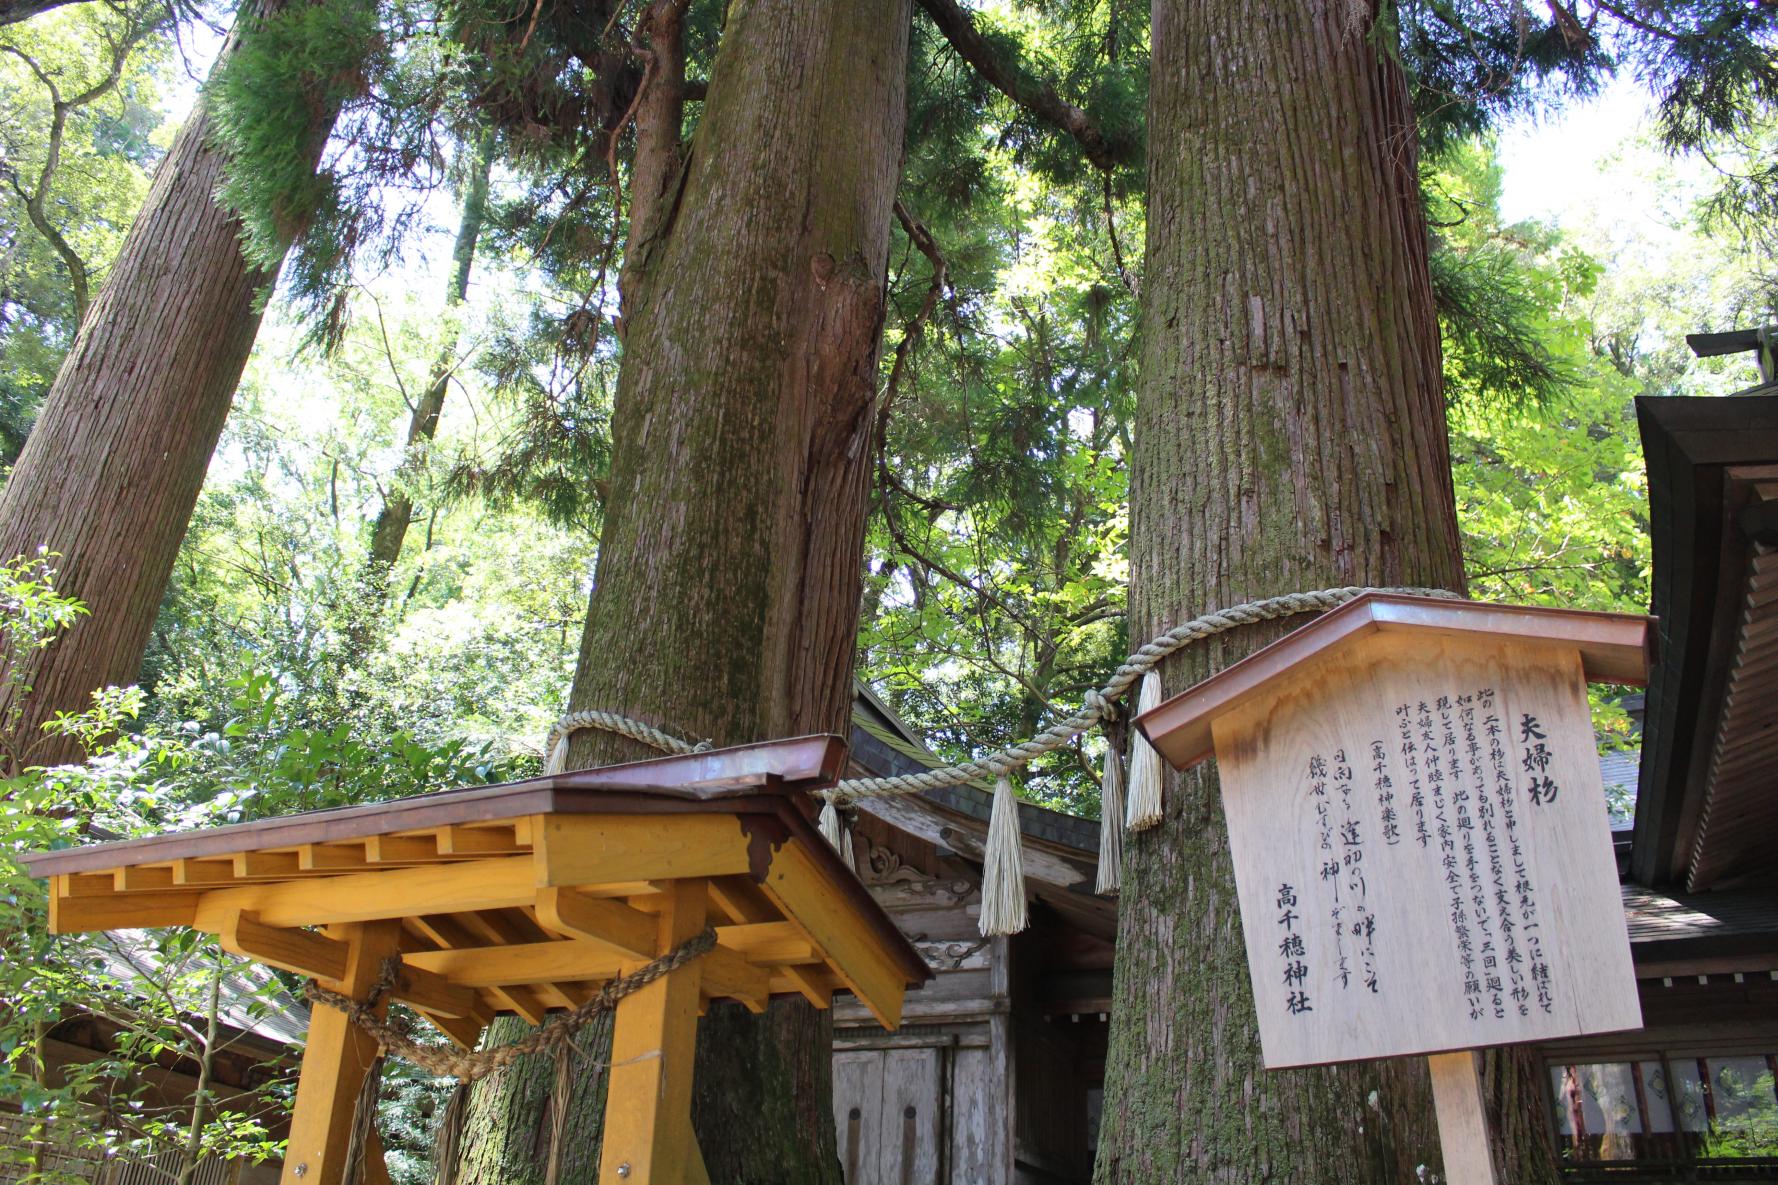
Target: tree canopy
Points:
x,y
995,574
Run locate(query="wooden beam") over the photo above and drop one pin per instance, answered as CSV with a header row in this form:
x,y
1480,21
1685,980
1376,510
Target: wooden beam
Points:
x,y
1462,1118
814,984
393,893
769,943
500,964
804,895
331,857
567,961
131,911
575,915
743,901
730,897
433,994
301,951
726,973
203,872
647,1133
265,865
400,849
553,995
84,884
479,930
464,1034
138,878
334,1063
476,841
577,850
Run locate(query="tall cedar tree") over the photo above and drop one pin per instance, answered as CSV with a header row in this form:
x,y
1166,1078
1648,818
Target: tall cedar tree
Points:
x,y
725,603
112,468
1290,434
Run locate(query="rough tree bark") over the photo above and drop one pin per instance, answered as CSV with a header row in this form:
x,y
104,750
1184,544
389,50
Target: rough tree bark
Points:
x,y
726,599
389,530
1290,435
112,468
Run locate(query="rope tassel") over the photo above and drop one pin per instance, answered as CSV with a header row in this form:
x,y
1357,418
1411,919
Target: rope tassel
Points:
x,y
848,852
1003,867
1144,808
557,761
835,832
1111,831
361,1136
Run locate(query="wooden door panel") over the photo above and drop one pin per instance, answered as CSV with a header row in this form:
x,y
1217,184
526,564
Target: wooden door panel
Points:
x,y
857,1113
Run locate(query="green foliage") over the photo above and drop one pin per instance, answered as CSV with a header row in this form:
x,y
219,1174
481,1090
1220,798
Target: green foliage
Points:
x,y
995,582
477,639
157,996
995,585
99,176
1504,293
1709,62
377,79
259,751
32,614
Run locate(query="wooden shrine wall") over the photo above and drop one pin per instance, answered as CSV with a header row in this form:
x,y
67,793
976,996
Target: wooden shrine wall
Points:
x,y
929,1104
989,1081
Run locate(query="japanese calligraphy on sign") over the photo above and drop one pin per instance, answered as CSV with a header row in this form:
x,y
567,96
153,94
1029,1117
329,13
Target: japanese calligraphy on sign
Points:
x,y
1422,852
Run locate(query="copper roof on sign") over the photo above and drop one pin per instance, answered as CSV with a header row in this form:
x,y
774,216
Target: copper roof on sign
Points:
x,y
1614,648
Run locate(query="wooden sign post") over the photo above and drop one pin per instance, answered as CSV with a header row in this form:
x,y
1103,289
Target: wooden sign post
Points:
x,y
1421,844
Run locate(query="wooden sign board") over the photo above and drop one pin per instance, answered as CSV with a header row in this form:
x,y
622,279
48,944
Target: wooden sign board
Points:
x,y
1421,845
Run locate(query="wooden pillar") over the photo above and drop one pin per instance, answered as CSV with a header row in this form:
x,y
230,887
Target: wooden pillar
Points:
x,y
648,1138
1462,1117
333,1066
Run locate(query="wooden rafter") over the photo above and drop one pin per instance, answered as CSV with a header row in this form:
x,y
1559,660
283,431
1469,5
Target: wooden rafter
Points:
x,y
525,912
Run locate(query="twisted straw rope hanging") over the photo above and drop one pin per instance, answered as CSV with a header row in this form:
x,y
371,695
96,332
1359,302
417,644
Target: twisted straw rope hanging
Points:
x,y
470,1064
1096,707
1003,881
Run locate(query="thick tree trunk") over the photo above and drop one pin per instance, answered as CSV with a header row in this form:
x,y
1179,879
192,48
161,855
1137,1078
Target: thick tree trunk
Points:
x,y
389,530
112,468
1290,435
725,603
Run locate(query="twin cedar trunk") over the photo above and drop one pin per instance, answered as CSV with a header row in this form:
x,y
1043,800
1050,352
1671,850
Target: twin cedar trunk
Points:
x,y
726,599
1290,435
112,468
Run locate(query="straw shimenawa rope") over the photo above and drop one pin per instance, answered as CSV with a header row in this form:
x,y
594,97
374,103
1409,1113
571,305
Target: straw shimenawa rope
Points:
x,y
1003,881
1098,705
471,1064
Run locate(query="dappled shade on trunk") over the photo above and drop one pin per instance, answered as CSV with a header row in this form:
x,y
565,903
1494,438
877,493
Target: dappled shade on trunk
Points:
x,y
726,598
1290,435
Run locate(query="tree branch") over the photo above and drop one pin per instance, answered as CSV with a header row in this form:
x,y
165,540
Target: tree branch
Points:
x,y
79,275
921,238
1011,79
12,11
1117,249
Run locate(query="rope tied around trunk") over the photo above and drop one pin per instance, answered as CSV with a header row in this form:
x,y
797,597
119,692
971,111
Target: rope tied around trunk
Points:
x,y
1097,706
1003,883
471,1064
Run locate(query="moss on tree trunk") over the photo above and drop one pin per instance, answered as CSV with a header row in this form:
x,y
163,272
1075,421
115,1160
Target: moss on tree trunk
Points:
x,y
1290,435
726,597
